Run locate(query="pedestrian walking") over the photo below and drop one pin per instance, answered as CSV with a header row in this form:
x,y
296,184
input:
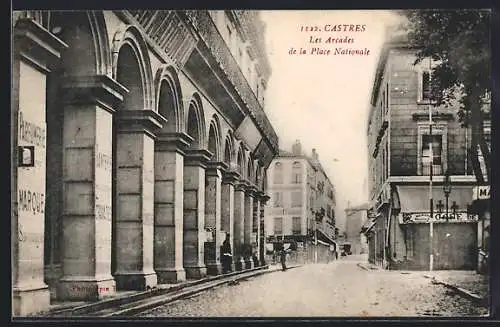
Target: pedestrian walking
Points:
x,y
283,259
227,256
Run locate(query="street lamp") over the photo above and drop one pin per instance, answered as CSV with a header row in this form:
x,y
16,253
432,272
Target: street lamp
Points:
x,y
447,190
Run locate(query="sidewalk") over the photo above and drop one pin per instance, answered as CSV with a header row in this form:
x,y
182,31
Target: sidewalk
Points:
x,y
368,266
468,283
132,301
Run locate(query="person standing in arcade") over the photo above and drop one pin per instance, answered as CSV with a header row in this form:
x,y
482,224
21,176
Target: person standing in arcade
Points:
x,y
226,255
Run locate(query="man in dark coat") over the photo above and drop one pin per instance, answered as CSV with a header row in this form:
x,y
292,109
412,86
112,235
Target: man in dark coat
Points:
x,y
226,256
283,258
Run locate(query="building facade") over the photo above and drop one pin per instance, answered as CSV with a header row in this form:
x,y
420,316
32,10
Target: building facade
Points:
x,y
302,199
139,141
402,149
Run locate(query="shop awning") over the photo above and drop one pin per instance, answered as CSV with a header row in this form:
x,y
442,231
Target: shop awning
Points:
x,y
415,198
325,238
368,225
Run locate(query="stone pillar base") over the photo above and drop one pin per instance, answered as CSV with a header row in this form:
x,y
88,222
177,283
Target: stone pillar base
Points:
x,y
249,264
196,272
85,290
239,264
29,300
214,269
135,281
174,275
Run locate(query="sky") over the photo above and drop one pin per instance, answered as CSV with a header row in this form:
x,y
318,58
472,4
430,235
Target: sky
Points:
x,y
323,99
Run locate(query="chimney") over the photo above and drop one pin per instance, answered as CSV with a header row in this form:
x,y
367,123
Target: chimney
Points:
x,y
297,148
314,155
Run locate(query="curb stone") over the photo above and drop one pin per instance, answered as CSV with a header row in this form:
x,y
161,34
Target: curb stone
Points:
x,y
163,295
141,295
362,266
483,301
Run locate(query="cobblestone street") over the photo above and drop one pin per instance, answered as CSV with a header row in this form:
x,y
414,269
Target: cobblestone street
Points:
x,y
339,289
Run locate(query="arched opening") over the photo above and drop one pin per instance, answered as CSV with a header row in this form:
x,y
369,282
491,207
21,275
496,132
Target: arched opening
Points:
x,y
212,143
227,153
241,163
194,194
129,75
250,169
193,127
79,59
167,106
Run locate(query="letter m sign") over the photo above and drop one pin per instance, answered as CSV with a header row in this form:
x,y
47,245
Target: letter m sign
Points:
x,y
481,192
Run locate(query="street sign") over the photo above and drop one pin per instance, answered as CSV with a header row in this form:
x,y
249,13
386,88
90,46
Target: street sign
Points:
x,y
481,192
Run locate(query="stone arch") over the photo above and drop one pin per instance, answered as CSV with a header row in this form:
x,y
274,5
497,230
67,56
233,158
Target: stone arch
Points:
x,y
229,150
214,139
169,99
132,68
195,123
85,32
258,171
250,172
240,160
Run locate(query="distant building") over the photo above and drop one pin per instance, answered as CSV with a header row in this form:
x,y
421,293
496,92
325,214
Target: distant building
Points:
x,y
402,151
302,199
355,216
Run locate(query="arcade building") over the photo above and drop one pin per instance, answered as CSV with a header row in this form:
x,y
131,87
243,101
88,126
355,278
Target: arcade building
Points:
x,y
139,140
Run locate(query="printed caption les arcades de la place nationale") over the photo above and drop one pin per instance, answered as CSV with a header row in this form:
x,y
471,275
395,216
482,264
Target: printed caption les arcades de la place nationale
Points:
x,y
330,40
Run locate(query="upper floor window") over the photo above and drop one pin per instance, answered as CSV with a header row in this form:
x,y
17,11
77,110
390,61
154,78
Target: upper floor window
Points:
x,y
278,226
432,149
278,199
296,172
296,199
278,173
296,226
424,85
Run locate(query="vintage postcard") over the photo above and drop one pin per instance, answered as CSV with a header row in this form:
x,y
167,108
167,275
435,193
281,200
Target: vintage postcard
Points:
x,y
250,163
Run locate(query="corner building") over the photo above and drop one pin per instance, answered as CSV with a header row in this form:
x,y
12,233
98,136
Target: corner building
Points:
x,y
302,205
402,150
139,142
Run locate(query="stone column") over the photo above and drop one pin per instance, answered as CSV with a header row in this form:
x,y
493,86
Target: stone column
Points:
x,y
213,186
248,227
36,52
169,214
262,250
135,198
256,229
194,213
87,186
238,229
227,207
